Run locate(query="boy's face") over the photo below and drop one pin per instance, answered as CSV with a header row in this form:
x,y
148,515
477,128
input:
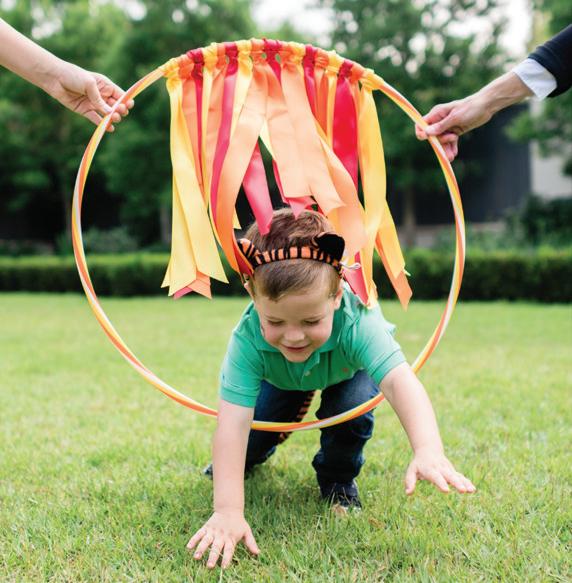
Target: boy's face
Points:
x,y
298,323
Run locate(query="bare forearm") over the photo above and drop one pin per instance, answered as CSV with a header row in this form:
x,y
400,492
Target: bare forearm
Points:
x,y
507,90
228,473
26,58
410,401
229,453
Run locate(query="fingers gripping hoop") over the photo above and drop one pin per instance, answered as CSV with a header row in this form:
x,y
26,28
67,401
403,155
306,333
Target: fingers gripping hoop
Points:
x,y
332,64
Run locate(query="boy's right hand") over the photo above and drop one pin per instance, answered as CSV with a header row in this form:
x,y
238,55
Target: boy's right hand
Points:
x,y
221,533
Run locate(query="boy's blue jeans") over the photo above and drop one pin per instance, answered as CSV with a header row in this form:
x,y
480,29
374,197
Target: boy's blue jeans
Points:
x,y
340,456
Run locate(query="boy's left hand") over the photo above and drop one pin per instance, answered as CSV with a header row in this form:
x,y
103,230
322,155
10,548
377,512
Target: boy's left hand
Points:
x,y
435,467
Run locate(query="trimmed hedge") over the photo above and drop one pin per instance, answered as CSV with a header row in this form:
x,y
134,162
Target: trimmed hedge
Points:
x,y
545,275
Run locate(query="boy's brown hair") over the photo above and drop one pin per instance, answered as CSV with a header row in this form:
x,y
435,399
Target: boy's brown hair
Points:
x,y
275,279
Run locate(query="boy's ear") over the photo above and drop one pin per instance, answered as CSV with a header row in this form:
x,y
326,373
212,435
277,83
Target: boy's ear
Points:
x,y
248,288
338,297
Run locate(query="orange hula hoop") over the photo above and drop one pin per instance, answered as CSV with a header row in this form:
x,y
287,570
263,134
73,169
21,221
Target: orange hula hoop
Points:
x,y
365,77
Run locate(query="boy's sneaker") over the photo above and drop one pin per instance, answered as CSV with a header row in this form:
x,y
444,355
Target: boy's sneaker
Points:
x,y
343,497
208,471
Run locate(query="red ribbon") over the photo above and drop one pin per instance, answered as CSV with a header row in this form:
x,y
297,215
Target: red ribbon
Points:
x,y
256,190
345,139
226,120
345,144
308,63
271,48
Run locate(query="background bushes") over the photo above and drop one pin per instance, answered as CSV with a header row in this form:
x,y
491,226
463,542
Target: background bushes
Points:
x,y
542,275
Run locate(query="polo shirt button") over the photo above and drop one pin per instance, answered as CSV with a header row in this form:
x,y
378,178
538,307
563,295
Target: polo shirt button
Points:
x,y
307,374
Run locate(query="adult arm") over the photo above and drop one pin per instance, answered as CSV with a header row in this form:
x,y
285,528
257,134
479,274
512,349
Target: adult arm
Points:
x,y
450,120
410,401
227,526
91,95
555,56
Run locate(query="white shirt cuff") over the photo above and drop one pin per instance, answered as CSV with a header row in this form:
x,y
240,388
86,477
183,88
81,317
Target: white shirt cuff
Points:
x,y
538,79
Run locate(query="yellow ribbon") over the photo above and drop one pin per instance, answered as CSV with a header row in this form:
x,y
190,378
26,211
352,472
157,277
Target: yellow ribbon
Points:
x,y
193,249
379,223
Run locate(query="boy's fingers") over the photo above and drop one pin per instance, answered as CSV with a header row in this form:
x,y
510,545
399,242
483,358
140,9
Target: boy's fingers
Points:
x,y
410,480
195,539
437,478
469,485
456,480
203,545
250,543
227,554
216,551
462,484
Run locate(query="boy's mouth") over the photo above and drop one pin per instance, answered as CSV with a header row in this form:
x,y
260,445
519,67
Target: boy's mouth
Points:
x,y
295,348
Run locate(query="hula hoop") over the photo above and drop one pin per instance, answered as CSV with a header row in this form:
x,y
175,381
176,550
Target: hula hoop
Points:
x,y
129,356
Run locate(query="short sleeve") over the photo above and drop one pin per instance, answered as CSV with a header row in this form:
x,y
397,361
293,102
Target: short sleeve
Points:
x,y
369,344
241,371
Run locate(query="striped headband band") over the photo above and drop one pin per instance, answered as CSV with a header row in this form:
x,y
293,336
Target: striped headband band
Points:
x,y
325,247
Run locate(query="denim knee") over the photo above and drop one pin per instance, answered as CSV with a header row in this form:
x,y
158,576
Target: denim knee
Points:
x,y
346,395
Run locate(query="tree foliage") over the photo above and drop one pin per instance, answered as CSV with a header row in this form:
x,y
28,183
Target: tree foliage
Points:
x,y
42,142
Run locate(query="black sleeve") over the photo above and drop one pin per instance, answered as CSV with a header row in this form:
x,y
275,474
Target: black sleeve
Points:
x,y
555,55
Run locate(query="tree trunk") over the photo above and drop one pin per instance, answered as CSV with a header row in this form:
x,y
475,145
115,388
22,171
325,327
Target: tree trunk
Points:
x,y
409,220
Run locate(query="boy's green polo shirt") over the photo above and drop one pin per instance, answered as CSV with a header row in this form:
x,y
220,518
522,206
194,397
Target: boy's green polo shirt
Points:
x,y
361,339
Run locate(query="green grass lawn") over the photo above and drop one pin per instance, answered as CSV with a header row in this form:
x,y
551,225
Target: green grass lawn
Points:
x,y
100,474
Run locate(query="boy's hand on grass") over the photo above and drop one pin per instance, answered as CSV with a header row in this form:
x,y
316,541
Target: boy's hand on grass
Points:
x,y
435,467
221,533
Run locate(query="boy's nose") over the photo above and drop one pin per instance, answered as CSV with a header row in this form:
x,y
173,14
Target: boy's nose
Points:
x,y
293,335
